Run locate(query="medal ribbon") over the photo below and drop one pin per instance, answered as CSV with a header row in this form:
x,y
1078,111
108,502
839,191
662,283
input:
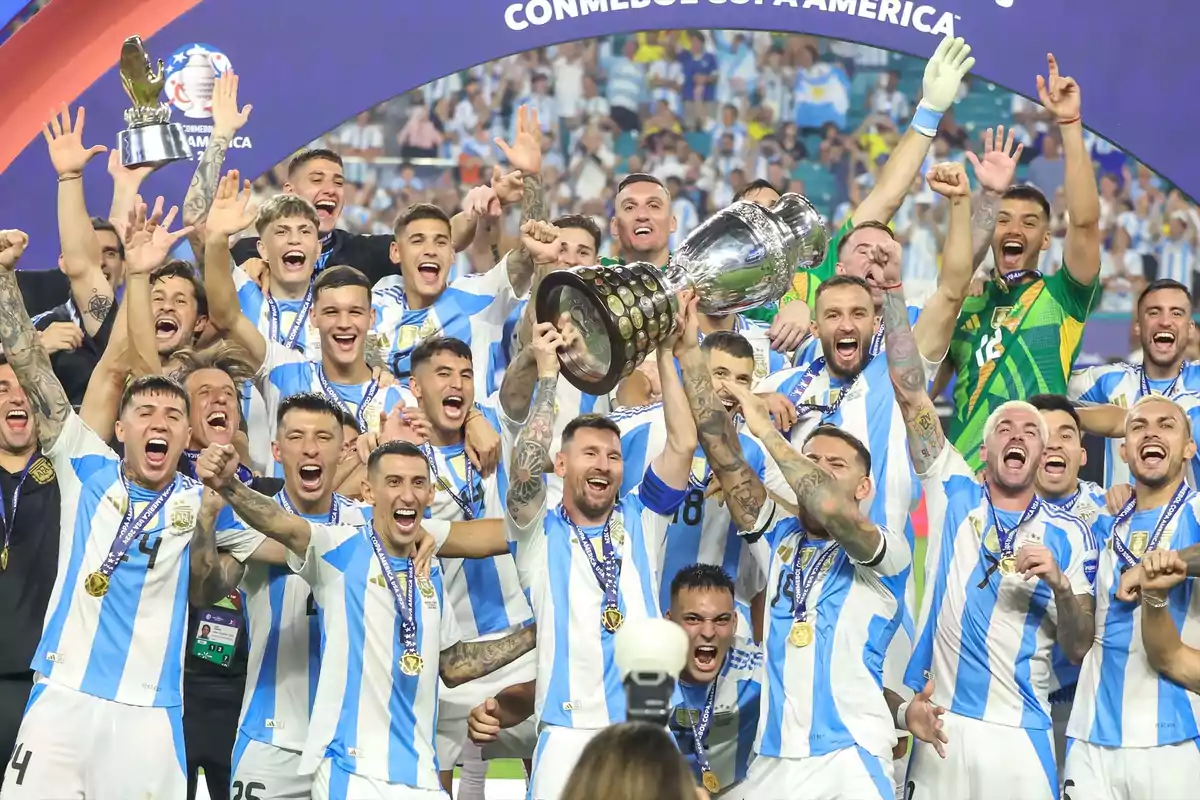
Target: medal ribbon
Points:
x,y
468,477
701,726
1004,536
243,473
275,320
805,581
368,396
132,526
1145,391
405,598
607,573
1006,280
9,517
877,341
335,507
797,392
1122,550
701,483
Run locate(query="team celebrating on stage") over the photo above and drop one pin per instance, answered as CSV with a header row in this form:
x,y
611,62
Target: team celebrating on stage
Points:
x,y
315,446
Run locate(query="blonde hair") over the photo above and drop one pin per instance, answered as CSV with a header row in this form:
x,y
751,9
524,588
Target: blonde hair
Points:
x,y
1016,405
1159,398
631,761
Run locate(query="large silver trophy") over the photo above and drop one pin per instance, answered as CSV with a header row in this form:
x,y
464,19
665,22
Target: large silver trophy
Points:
x,y
150,139
742,257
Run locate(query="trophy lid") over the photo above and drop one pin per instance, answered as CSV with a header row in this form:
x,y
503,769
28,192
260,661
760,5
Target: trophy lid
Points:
x,y
801,217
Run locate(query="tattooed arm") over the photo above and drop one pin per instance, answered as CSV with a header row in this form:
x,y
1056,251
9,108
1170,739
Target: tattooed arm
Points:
x,y
213,575
516,389
466,661
265,515
983,224
925,436
1076,623
520,261
526,484
24,349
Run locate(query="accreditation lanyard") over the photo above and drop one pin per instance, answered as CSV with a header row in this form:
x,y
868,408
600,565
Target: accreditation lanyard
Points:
x,y
275,320
797,392
804,581
8,517
460,498
1122,550
608,573
131,526
1005,536
335,508
701,727
360,416
1144,389
405,596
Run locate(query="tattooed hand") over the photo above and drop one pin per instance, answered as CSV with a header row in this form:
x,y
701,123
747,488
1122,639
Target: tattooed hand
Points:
x,y
546,344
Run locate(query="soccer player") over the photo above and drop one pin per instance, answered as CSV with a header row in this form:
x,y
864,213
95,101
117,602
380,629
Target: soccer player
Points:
x,y
111,655
1008,575
836,585
1021,336
590,562
372,725
1163,571
1132,730
1164,325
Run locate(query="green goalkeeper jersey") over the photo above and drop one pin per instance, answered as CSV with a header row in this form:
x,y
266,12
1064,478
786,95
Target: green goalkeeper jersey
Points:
x,y
1010,344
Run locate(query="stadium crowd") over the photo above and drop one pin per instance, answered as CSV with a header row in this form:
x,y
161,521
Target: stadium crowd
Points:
x,y
334,518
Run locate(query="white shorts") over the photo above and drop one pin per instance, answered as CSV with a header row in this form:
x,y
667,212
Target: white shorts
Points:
x,y
265,770
848,773
899,770
558,750
72,744
984,761
1132,773
331,782
454,706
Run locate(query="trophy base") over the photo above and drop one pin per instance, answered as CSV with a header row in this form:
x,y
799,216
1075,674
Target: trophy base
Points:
x,y
153,145
611,319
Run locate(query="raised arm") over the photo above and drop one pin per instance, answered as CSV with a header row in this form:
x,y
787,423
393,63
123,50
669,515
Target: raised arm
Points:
x,y
230,212
740,484
934,328
466,661
217,468
213,575
531,452
925,436
943,75
81,254
23,348
674,464
1081,251
148,248
99,408
525,155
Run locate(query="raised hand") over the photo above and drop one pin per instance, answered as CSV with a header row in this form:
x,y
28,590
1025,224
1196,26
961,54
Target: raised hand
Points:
x,y
1059,94
944,72
231,209
949,180
481,202
147,248
1036,561
509,187
122,175
540,239
546,343
883,265
1163,570
61,336
685,335
227,119
923,719
217,465
525,153
754,408
12,245
65,142
999,163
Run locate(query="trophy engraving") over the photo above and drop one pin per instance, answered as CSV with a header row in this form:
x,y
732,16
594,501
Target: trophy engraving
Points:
x,y
150,138
613,317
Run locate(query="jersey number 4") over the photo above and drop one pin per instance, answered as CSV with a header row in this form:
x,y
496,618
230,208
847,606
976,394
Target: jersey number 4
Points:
x,y
19,763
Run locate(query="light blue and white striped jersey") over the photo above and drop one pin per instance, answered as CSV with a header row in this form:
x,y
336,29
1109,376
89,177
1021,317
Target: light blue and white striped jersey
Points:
x,y
369,717
484,593
1190,403
1121,384
1087,503
702,530
730,741
1177,261
284,641
257,309
766,361
128,645
828,695
1121,701
473,308
986,637
579,684
286,372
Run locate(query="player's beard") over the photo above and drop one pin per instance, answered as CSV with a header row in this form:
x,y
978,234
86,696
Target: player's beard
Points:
x,y
1156,481
595,509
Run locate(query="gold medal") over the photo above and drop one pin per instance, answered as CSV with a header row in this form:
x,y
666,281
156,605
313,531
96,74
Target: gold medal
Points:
x,y
96,584
612,619
1008,565
801,634
411,663
710,781
4,558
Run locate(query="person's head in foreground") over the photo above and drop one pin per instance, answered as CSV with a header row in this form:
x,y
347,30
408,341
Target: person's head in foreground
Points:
x,y
1158,441
1014,440
632,761
703,605
399,489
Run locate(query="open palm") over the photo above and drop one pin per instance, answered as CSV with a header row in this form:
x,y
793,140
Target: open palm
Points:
x,y
64,140
995,170
231,208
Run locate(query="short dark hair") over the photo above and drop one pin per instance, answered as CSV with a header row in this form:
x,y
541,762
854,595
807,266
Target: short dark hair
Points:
x,y
639,177
418,211
1159,285
312,154
872,224
151,384
1056,402
730,342
429,348
1027,191
339,276
842,280
307,401
754,186
394,448
700,577
580,222
177,268
101,224
834,432
597,422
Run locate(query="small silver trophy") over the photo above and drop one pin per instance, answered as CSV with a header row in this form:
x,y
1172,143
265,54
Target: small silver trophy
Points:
x,y
150,138
742,257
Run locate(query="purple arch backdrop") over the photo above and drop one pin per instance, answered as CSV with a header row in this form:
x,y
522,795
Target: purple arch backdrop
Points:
x,y
306,65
